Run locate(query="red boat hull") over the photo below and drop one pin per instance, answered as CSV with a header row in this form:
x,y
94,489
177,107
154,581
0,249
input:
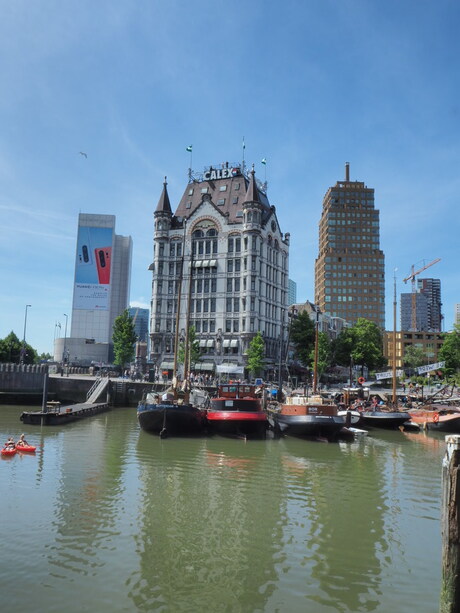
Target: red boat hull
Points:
x,y
26,448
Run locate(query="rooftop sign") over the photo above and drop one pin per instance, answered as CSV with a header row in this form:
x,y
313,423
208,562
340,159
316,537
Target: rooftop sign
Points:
x,y
221,173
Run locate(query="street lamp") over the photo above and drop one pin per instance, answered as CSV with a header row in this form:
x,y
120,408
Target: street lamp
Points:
x,y
65,340
23,350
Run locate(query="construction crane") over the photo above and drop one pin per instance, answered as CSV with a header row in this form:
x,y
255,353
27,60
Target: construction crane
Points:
x,y
411,277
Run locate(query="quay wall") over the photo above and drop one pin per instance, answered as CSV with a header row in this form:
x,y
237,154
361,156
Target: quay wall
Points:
x,y
22,377
23,384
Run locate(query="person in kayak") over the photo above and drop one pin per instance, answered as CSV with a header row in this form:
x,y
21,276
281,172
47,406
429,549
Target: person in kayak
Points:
x,y
22,442
10,443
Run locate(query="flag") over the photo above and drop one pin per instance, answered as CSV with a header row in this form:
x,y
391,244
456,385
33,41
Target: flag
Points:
x,y
189,149
264,161
244,146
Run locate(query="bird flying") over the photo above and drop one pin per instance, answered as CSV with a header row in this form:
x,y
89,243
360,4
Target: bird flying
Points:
x,y
83,153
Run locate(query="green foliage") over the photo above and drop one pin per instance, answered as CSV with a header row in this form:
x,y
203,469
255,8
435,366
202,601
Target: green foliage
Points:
x,y
123,339
450,351
302,336
10,350
255,355
324,353
193,347
363,343
414,356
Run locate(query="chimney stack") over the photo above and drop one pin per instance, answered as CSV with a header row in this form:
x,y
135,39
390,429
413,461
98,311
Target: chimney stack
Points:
x,y
347,171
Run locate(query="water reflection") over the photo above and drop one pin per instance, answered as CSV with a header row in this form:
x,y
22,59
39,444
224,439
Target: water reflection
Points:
x,y
91,458
118,519
334,536
205,537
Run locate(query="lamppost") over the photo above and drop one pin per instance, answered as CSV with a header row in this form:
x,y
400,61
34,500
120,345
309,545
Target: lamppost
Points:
x,y
23,350
65,341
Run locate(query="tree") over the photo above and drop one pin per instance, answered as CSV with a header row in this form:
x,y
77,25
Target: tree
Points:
x,y
123,339
302,336
450,351
362,343
193,347
414,356
11,347
256,353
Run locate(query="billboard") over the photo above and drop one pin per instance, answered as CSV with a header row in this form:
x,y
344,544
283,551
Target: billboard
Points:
x,y
93,268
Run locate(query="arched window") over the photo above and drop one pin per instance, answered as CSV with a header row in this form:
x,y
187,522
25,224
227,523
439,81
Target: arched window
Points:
x,y
204,239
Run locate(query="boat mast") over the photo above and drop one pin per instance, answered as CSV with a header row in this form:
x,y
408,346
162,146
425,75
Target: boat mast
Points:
x,y
179,294
394,342
186,387
280,360
315,363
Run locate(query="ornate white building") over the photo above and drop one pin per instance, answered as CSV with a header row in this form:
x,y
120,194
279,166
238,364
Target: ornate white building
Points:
x,y
235,260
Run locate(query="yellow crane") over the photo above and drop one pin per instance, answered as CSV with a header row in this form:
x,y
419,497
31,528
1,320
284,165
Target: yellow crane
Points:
x,y
411,277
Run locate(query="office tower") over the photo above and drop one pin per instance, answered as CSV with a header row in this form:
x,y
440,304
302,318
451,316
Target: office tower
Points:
x,y
350,267
431,288
292,292
100,290
421,311
226,236
428,305
140,319
457,314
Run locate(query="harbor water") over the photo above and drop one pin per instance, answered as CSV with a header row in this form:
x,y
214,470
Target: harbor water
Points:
x,y
105,517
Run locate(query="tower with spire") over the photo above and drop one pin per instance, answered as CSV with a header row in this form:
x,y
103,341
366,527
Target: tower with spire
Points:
x,y
237,277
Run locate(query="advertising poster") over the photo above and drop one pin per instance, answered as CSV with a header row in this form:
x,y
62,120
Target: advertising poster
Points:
x,y
93,268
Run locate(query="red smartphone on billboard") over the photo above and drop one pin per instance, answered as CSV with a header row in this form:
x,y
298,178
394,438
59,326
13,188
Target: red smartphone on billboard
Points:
x,y
103,257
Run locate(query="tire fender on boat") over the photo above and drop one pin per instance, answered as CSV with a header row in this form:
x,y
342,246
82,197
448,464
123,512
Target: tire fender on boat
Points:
x,y
436,418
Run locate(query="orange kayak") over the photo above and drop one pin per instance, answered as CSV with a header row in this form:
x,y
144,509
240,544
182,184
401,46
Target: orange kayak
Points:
x,y
8,451
26,448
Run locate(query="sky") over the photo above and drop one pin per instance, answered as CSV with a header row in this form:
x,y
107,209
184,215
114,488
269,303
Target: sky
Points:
x,y
309,84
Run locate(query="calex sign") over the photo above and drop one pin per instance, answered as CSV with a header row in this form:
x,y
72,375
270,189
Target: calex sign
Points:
x,y
221,173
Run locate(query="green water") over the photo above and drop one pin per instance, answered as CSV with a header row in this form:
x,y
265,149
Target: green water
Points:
x,y
106,517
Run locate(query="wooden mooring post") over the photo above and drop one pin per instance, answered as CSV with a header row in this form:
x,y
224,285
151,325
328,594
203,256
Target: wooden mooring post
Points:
x,y
450,527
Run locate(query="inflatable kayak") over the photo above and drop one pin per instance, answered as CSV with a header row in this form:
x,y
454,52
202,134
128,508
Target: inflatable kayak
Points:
x,y
28,448
8,451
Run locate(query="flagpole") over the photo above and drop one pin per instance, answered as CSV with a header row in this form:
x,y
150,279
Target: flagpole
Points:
x,y
264,162
190,150
244,147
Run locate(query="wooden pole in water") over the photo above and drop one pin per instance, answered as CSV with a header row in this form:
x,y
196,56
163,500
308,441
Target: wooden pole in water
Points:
x,y
450,527
45,393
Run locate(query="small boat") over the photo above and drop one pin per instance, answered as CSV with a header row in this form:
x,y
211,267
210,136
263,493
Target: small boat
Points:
x,y
384,418
303,416
237,411
351,416
441,418
8,451
170,416
26,448
358,432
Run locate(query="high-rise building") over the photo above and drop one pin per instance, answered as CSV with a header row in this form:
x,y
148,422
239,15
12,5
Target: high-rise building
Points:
x,y
350,267
140,319
428,306
431,288
421,311
457,314
292,292
100,290
226,238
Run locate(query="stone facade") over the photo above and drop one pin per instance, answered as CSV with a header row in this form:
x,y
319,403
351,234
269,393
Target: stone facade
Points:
x,y
221,258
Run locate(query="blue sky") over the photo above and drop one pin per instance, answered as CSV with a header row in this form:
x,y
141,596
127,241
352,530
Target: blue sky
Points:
x,y
309,84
